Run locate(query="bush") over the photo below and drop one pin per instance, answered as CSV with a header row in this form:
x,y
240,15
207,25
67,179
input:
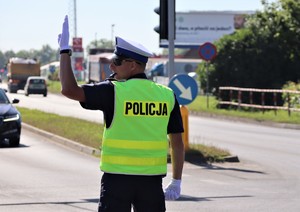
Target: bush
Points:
x,y
294,99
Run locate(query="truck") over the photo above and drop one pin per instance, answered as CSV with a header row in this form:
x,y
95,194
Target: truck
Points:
x,y
98,67
181,66
19,69
157,69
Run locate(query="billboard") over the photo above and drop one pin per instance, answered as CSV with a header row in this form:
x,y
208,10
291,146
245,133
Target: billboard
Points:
x,y
77,58
195,28
77,45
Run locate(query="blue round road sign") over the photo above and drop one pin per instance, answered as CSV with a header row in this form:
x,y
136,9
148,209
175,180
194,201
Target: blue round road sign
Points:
x,y
185,88
207,51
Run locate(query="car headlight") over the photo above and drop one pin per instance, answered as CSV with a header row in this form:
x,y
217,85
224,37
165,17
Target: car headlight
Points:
x,y
8,118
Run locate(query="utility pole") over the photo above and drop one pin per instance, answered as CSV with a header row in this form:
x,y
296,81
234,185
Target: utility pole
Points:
x,y
171,36
73,17
75,20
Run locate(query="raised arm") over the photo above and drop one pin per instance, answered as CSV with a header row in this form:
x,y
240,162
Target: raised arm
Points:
x,y
69,86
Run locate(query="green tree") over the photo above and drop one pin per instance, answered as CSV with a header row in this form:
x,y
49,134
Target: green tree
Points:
x,y
46,54
23,54
265,54
2,60
9,54
102,43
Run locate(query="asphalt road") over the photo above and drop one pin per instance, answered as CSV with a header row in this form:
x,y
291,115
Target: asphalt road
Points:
x,y
42,175
266,179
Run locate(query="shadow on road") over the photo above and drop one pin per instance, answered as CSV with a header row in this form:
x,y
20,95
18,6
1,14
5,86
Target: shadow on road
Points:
x,y
198,199
216,167
52,203
4,144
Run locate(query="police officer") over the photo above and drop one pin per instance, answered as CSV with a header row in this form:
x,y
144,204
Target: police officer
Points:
x,y
139,114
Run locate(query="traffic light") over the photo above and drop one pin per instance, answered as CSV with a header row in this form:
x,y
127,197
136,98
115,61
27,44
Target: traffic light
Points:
x,y
162,11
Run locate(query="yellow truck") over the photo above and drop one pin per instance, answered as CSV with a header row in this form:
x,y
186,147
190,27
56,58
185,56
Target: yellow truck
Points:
x,y
19,69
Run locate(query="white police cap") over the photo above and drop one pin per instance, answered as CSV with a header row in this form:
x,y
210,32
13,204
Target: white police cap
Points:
x,y
131,49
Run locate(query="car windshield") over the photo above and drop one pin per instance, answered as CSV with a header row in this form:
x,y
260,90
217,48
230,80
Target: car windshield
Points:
x,y
3,98
36,81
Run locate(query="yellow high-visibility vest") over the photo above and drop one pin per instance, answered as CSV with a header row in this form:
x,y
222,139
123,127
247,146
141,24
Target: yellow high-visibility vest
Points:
x,y
136,141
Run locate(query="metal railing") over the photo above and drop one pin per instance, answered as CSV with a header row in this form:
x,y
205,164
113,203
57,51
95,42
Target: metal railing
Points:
x,y
235,99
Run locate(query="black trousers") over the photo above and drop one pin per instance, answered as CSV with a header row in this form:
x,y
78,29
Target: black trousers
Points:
x,y
119,193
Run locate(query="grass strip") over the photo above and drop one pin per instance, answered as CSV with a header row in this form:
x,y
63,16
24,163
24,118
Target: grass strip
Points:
x,y
90,133
78,130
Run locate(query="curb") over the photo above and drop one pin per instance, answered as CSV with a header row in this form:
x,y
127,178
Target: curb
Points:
x,y
61,140
246,120
232,159
82,148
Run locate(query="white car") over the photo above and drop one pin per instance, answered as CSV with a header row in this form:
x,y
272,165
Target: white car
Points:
x,y
36,85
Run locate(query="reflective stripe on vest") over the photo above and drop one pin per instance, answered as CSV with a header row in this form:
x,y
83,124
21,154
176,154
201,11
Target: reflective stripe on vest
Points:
x,y
136,142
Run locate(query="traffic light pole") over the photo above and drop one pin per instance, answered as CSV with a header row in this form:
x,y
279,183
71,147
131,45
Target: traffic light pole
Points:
x,y
171,38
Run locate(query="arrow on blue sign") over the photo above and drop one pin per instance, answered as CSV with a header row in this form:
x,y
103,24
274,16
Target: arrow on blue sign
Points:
x,y
184,87
186,93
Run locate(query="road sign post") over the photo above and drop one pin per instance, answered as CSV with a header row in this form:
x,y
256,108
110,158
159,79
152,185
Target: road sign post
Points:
x,y
171,36
186,90
185,121
207,52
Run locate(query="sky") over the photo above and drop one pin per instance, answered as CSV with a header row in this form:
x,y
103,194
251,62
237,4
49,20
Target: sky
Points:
x,y
30,24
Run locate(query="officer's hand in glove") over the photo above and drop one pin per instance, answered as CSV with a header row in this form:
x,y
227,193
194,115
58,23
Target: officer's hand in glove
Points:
x,y
63,38
172,191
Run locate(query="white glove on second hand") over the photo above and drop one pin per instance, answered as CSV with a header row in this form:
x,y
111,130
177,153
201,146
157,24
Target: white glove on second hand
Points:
x,y
172,191
63,38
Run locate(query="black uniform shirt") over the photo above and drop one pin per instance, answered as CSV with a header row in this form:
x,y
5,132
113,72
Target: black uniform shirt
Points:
x,y
101,96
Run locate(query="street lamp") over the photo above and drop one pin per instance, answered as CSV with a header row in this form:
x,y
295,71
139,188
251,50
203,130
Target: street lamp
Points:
x,y
96,40
112,34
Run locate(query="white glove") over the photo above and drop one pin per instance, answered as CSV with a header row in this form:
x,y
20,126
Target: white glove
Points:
x,y
172,191
63,38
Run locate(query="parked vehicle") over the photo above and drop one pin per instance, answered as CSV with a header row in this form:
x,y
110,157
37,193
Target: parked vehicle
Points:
x,y
36,85
10,120
98,67
181,66
19,70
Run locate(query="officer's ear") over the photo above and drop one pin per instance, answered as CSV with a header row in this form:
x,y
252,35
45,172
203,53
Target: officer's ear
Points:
x,y
134,65
139,65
